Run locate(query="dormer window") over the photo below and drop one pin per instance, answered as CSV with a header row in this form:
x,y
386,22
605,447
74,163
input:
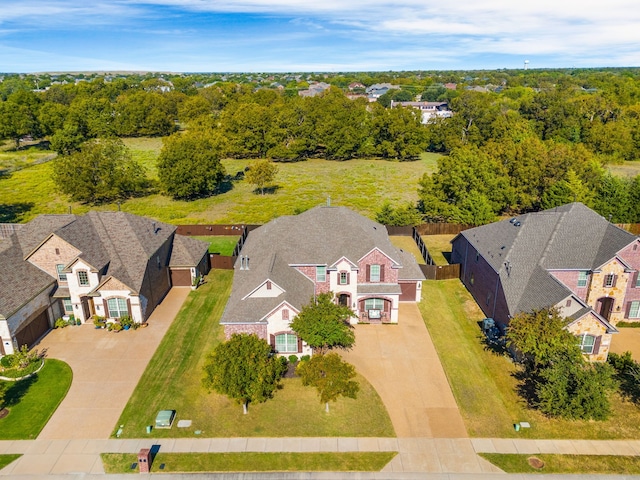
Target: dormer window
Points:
x,y
83,278
344,278
375,273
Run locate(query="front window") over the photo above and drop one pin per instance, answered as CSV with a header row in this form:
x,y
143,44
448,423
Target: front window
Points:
x,y
586,343
61,276
83,278
321,273
67,305
286,343
374,307
638,280
634,310
344,278
609,280
582,279
117,307
374,273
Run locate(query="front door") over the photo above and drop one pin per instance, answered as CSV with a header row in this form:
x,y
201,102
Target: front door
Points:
x,y
344,299
605,307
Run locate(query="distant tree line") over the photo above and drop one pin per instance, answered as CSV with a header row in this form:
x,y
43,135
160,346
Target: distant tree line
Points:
x,y
518,141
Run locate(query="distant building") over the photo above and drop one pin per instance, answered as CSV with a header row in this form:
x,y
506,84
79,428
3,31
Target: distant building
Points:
x,y
429,110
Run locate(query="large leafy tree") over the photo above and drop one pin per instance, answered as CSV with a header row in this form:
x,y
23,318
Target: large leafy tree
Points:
x,y
101,171
243,368
324,324
556,377
189,166
331,376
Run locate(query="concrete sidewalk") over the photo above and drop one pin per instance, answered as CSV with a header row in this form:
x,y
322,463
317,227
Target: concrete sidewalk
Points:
x,y
415,455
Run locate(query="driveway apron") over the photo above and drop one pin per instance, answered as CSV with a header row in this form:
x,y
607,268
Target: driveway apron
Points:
x,y
401,363
106,369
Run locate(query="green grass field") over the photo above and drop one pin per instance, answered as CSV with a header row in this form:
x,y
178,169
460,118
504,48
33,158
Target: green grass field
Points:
x,y
567,464
359,184
482,383
252,462
172,380
224,245
32,401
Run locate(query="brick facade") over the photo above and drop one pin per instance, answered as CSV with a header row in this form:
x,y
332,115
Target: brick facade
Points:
x,y
257,329
376,257
52,252
591,326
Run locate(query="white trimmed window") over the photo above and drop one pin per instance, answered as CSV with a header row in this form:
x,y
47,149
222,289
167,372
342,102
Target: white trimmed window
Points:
x,y
67,305
609,280
344,278
638,280
374,273
586,343
62,277
117,307
321,273
634,309
286,343
83,278
582,279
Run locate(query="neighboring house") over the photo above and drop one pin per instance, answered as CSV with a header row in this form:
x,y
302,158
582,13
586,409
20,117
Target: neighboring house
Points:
x,y
428,110
288,261
315,89
376,90
567,257
108,264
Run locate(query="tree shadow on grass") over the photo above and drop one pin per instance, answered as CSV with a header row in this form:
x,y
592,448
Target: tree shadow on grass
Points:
x,y
14,212
267,190
17,390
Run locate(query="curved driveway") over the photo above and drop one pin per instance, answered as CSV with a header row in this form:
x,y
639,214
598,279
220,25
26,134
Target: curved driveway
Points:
x,y
401,363
106,368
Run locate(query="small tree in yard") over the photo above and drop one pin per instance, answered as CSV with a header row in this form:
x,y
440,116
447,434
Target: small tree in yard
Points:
x,y
324,324
331,376
261,174
556,377
243,368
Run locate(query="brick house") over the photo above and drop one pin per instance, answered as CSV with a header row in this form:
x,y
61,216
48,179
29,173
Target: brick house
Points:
x,y
108,264
567,257
284,263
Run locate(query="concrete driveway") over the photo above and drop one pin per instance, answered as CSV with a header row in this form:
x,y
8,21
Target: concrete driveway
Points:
x,y
401,363
106,369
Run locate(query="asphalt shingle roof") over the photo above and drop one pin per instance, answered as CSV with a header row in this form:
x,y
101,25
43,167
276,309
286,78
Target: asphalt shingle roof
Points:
x,y
320,236
568,237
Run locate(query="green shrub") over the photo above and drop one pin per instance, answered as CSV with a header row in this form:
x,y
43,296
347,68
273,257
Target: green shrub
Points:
x,y
8,361
293,358
305,358
116,327
60,323
126,321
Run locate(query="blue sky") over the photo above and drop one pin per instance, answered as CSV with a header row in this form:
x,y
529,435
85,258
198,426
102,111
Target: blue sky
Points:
x,y
315,35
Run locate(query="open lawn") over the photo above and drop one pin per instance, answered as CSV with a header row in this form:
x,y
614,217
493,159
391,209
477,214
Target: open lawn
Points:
x,y
17,159
32,401
408,244
253,462
172,380
625,169
439,247
482,380
361,184
222,244
567,464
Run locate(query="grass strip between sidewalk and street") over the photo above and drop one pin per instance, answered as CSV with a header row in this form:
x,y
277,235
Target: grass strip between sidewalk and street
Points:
x,y
566,464
7,458
252,462
32,401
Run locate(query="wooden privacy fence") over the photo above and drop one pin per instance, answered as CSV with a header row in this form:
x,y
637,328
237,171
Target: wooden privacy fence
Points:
x,y
204,230
222,261
441,272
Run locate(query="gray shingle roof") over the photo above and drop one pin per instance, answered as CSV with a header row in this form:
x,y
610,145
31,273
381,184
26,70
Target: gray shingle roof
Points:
x,y
568,237
20,281
186,251
320,236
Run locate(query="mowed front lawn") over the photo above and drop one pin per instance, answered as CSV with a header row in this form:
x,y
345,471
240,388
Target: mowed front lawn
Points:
x,y
172,381
32,401
482,380
222,244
